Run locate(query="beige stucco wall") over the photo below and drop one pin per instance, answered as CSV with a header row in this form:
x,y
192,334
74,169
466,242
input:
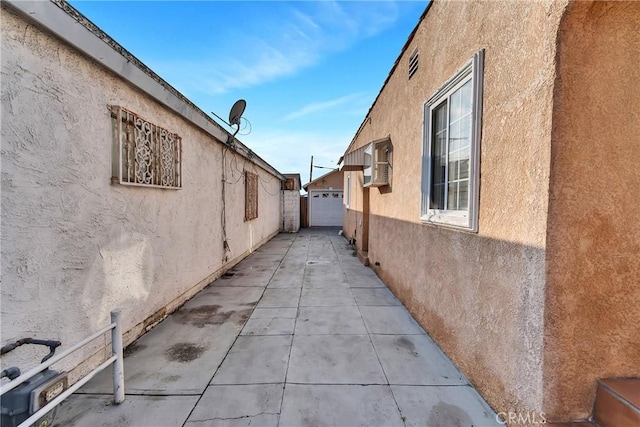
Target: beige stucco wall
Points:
x,y
481,296
75,246
593,242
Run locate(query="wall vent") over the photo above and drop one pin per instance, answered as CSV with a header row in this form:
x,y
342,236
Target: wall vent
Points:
x,y
413,63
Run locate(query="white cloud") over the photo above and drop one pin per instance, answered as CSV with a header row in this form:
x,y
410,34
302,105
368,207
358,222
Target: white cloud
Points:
x,y
280,45
348,101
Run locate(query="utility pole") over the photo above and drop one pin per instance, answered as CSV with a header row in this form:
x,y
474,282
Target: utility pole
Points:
x,y
311,170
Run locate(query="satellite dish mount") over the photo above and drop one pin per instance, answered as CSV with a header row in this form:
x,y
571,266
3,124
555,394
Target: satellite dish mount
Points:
x,y
234,118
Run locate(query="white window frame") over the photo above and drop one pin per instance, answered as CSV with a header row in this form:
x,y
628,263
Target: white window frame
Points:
x,y
368,166
347,199
376,169
463,219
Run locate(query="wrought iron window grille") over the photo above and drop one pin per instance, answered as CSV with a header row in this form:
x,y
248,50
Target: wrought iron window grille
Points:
x,y
146,154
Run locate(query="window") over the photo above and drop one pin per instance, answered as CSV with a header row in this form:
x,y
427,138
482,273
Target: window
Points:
x,y
250,196
450,172
145,154
347,200
413,64
376,163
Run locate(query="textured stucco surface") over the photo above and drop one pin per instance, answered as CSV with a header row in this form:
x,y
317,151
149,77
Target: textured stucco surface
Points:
x,y
75,246
593,242
481,296
291,210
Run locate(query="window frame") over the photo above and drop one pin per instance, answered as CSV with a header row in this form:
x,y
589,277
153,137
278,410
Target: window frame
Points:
x,y
461,219
347,199
250,195
373,170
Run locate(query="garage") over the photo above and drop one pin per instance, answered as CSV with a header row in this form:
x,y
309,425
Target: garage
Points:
x,y
325,208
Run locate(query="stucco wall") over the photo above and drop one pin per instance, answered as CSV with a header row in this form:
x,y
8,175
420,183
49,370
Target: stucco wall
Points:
x,y
481,296
593,241
291,210
75,246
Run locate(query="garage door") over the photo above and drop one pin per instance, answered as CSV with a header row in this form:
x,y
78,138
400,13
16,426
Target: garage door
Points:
x,y
325,208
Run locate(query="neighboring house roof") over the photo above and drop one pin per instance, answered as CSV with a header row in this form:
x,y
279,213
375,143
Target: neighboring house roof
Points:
x,y
325,176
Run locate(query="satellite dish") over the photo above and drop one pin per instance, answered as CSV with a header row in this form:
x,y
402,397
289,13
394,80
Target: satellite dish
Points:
x,y
236,112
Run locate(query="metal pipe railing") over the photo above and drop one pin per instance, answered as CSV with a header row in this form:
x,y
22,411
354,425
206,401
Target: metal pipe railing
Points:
x,y
116,358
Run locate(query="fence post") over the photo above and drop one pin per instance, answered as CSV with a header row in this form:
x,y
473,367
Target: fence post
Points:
x,y
118,365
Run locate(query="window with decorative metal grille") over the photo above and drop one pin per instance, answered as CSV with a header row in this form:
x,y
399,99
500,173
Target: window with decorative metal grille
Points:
x,y
145,154
250,196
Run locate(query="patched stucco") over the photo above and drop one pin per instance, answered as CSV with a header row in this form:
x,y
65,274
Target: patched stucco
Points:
x,y
74,245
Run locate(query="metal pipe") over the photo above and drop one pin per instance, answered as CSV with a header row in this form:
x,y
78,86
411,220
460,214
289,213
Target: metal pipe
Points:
x,y
22,378
118,365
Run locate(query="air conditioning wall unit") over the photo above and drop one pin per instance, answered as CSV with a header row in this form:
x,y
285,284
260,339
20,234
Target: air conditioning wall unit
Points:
x,y
376,163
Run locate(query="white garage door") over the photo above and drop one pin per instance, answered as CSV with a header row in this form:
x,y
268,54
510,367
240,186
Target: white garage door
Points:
x,y
325,208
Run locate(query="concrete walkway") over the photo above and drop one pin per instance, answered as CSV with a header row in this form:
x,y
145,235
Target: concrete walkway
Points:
x,y
298,334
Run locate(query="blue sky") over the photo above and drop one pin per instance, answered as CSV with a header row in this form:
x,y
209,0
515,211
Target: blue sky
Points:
x,y
308,70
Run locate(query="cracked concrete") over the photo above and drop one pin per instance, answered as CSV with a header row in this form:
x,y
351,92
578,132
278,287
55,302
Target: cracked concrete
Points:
x,y
298,334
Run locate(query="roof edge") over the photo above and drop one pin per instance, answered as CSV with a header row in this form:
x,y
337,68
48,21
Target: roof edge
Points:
x,y
70,26
393,68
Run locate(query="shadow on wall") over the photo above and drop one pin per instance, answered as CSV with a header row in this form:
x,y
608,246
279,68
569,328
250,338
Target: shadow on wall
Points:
x,y
483,301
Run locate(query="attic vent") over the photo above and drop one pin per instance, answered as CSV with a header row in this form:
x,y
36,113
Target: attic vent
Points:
x,y
413,64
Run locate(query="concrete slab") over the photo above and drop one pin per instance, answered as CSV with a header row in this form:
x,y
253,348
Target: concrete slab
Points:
x,y
238,405
280,298
357,270
317,279
287,278
255,360
272,313
334,359
179,356
443,406
226,296
389,320
415,360
139,411
327,297
363,281
339,405
330,321
273,326
230,279
374,297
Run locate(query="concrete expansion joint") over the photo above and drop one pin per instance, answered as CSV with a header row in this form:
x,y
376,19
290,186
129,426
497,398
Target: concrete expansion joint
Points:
x,y
232,418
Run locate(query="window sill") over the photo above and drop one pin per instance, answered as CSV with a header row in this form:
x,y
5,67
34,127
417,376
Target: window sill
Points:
x,y
451,222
